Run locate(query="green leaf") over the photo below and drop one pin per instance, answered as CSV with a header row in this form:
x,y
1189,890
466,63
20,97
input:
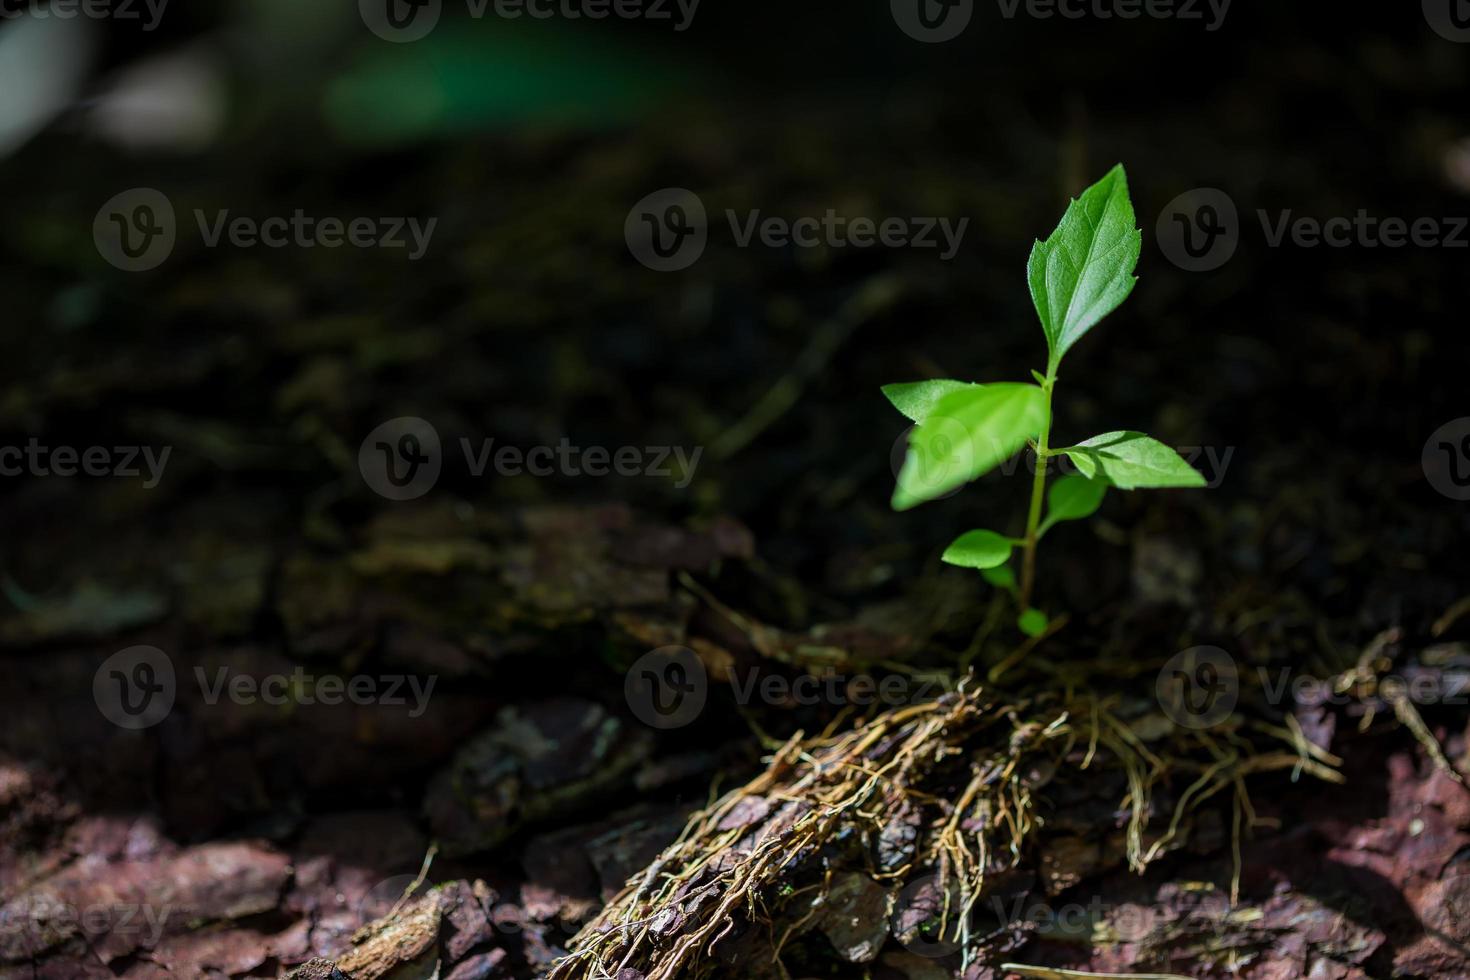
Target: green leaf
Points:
x,y
1072,498
1001,576
916,399
968,433
1033,622
979,549
1133,461
1084,271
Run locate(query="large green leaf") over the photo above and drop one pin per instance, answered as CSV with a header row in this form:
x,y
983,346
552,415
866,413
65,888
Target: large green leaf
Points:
x,y
1073,498
979,549
1133,461
968,433
1085,269
916,399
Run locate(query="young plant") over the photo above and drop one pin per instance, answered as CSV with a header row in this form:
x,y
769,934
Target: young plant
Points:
x,y
1079,275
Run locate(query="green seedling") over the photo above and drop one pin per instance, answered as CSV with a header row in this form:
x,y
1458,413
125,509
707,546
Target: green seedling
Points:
x,y
1079,275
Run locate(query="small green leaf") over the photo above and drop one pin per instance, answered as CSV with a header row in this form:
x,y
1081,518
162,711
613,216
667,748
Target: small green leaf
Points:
x,y
1033,622
1133,461
968,433
1000,576
1084,271
1073,498
979,549
916,399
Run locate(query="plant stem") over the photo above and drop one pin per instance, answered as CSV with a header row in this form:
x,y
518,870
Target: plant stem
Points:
x,y
1038,489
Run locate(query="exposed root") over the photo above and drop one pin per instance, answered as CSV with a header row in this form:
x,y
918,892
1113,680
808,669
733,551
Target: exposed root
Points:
x,y
732,856
941,792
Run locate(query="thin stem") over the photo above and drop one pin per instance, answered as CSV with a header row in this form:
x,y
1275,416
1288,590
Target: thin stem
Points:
x,y
1038,490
